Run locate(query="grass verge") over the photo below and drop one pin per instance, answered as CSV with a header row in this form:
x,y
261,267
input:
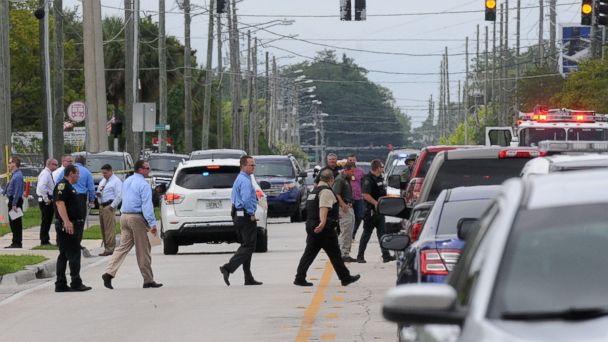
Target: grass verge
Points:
x,y
15,263
94,232
46,248
31,218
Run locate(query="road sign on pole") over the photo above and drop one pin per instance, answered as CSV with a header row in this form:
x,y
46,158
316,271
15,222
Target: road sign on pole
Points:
x,y
144,117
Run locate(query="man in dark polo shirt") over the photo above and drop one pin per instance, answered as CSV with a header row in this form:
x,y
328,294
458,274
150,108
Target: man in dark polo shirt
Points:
x,y
344,194
70,217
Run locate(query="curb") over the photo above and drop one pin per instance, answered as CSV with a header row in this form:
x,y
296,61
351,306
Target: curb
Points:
x,y
43,270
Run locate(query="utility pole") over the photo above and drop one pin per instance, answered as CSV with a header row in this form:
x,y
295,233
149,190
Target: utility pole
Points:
x,y
255,111
501,66
57,122
162,76
267,95
274,117
129,75
187,79
552,32
465,93
208,79
94,73
233,78
43,58
5,87
541,18
241,126
249,94
517,52
440,117
46,67
506,66
447,88
220,70
485,78
494,69
477,53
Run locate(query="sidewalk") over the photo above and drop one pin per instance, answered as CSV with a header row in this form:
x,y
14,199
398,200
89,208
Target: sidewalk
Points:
x,y
46,269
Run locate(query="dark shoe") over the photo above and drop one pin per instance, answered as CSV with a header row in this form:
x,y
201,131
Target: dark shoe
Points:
x,y
388,258
62,288
302,282
12,245
106,253
47,243
81,288
350,280
152,285
225,274
349,259
253,282
107,281
361,260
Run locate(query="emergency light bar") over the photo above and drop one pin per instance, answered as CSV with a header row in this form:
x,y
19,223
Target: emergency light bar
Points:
x,y
563,115
550,146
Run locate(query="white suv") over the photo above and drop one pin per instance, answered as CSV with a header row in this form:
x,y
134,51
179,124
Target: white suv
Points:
x,y
196,206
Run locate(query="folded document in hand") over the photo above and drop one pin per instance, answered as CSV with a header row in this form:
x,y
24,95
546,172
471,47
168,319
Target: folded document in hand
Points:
x,y
15,214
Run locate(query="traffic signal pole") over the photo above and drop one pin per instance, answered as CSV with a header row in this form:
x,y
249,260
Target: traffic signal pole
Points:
x,y
5,88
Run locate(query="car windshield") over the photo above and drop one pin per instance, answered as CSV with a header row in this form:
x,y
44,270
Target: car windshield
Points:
x,y
95,162
203,177
469,172
553,262
454,211
588,134
428,160
164,163
531,136
397,170
274,168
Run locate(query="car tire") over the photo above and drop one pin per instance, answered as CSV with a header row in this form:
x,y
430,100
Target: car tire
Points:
x,y
261,245
170,246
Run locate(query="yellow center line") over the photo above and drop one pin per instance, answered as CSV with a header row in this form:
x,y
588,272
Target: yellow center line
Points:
x,y
310,315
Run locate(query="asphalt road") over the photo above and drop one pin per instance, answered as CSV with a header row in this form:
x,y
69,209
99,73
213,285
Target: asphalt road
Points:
x,y
195,305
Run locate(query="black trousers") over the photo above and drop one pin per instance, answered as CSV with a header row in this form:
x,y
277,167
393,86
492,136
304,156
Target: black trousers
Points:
x,y
17,225
47,212
69,253
328,241
369,223
246,235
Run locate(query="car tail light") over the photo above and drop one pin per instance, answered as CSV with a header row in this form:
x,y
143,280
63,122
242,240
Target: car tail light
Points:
x,y
415,231
438,261
520,154
412,193
171,198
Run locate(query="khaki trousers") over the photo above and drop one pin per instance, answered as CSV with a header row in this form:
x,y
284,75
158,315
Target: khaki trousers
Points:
x,y
134,233
107,222
347,224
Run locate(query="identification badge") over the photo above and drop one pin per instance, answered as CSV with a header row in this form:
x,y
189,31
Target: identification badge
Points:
x,y
311,197
240,213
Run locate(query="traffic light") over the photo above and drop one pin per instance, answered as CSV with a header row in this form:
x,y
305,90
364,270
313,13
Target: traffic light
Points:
x,y
601,12
345,10
587,12
221,6
360,10
490,10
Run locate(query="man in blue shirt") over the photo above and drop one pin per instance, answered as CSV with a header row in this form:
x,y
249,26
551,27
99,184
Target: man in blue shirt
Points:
x,y
244,204
137,218
14,192
85,187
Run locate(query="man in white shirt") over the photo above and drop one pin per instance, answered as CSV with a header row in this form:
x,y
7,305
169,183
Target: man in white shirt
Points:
x,y
44,191
65,161
109,195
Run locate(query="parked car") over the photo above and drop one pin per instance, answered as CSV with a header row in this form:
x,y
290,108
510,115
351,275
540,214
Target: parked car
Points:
x,y
288,192
431,257
224,153
531,272
162,168
196,207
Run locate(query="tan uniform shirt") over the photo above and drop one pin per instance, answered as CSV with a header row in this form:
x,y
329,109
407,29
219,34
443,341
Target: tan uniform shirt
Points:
x,y
326,197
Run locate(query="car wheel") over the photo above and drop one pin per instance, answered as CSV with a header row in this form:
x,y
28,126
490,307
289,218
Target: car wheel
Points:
x,y
170,246
261,245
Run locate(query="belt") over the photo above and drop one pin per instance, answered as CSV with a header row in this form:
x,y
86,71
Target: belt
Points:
x,y
132,213
106,203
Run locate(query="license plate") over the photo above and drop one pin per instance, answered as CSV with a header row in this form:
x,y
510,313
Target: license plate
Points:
x,y
214,204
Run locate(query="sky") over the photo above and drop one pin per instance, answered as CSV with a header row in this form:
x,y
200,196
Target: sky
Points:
x,y
399,37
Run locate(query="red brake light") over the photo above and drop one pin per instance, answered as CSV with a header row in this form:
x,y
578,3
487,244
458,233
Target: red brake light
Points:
x,y
213,167
438,261
171,198
415,231
580,118
520,154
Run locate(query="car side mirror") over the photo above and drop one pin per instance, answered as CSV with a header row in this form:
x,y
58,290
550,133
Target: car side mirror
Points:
x,y
393,206
422,304
161,189
394,181
395,242
265,185
303,174
466,227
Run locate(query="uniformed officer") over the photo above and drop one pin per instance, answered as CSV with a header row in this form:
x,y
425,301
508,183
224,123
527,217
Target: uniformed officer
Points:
x,y
410,160
69,225
373,188
244,205
321,222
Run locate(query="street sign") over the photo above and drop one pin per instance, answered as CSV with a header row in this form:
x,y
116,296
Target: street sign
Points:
x,y
77,111
144,117
163,127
